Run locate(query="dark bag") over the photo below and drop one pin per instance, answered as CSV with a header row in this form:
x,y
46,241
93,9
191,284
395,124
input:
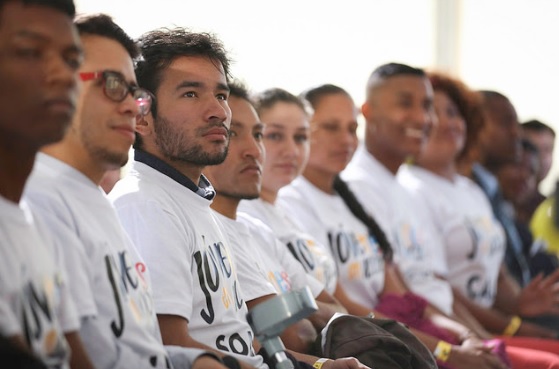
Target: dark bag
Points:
x,y
377,343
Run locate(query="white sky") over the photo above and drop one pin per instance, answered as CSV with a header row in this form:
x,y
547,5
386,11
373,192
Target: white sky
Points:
x,y
506,45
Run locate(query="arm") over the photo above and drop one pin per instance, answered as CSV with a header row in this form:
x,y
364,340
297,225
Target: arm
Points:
x,y
174,332
79,358
327,307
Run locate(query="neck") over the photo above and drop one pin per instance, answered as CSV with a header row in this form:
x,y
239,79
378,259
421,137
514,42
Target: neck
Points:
x,y
78,158
389,160
226,206
268,195
15,170
189,170
320,179
444,169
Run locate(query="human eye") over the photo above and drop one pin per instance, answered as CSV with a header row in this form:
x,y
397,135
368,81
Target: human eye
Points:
x,y
273,136
28,52
74,60
301,138
258,135
232,133
222,96
330,127
190,94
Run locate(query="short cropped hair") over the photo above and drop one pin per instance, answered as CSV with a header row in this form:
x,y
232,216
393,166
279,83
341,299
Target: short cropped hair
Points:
x,y
104,26
389,70
535,125
239,89
65,6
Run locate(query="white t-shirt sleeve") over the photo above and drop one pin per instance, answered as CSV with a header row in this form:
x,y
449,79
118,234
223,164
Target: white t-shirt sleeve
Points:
x,y
9,324
69,252
164,245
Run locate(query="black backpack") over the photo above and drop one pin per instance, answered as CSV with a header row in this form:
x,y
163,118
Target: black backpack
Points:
x,y
377,343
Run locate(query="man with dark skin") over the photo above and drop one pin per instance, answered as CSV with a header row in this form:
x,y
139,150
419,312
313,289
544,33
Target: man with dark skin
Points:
x,y
39,57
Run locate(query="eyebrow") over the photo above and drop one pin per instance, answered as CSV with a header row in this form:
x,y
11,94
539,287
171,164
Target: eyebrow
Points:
x,y
27,34
186,84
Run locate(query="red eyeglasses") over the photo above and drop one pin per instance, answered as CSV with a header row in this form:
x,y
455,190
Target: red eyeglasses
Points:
x,y
116,89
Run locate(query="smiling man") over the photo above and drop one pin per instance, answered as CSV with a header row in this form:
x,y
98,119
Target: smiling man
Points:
x,y
399,114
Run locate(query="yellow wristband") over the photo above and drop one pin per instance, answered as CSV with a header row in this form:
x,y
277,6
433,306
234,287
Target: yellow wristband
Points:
x,y
442,351
318,364
513,326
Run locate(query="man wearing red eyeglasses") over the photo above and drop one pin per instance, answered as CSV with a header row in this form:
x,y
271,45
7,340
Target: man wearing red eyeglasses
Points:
x,y
40,53
110,281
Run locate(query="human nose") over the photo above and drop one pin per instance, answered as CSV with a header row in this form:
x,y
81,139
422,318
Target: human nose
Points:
x,y
130,106
254,149
218,110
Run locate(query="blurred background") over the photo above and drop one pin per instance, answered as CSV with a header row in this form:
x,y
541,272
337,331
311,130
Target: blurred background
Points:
x,y
511,46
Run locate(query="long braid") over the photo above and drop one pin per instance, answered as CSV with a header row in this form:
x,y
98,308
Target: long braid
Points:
x,y
357,209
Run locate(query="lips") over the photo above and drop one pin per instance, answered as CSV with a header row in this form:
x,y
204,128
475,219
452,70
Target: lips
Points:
x,y
126,130
61,105
217,133
257,169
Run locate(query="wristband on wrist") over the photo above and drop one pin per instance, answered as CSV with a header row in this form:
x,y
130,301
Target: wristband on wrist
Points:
x,y
513,326
318,364
442,351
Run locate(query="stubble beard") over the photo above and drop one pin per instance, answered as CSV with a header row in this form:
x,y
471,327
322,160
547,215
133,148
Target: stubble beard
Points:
x,y
175,146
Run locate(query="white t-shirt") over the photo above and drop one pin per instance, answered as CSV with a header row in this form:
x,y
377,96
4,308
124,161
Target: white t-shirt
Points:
x,y
358,258
257,248
313,255
474,241
109,281
417,247
34,299
191,266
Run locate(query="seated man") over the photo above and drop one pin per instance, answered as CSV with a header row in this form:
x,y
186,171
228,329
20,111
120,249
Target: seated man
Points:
x,y
110,282
39,58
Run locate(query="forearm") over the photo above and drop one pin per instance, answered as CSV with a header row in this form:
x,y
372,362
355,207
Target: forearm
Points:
x,y
327,307
491,319
508,291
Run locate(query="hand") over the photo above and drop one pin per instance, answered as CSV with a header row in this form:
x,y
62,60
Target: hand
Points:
x,y
533,330
470,356
540,296
344,363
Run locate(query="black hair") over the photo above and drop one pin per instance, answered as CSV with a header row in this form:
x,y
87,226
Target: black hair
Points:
x,y
491,94
239,89
389,70
65,6
535,125
357,209
160,47
315,94
104,26
395,69
270,97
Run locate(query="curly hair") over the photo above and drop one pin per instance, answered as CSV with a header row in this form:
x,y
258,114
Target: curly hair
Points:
x,y
468,102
